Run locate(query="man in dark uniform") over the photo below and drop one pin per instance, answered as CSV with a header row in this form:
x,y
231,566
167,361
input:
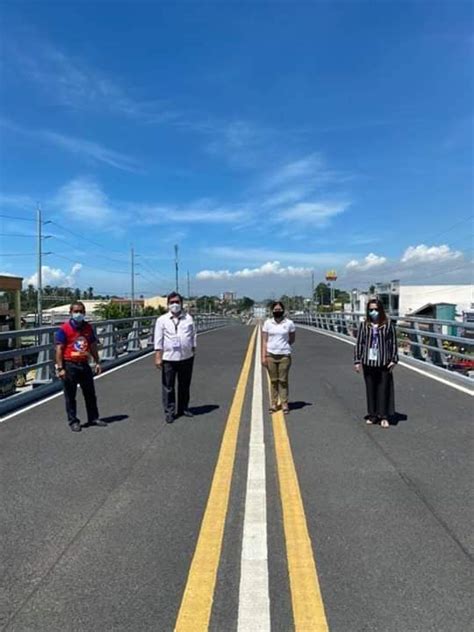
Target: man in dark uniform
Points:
x,y
75,342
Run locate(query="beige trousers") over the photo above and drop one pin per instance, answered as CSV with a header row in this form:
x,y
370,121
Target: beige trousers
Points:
x,y
278,369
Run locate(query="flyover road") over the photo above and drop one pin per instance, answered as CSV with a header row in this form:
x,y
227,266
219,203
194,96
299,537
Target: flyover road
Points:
x,y
235,519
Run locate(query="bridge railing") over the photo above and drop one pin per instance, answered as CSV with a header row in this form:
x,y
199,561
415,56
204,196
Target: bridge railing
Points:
x,y
444,343
27,361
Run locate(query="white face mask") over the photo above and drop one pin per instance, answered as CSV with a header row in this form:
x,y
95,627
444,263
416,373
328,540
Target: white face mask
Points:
x,y
175,308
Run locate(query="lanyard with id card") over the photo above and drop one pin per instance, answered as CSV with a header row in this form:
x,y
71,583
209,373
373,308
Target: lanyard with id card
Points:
x,y
374,344
175,340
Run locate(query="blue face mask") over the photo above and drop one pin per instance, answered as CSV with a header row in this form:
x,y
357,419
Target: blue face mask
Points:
x,y
78,317
374,314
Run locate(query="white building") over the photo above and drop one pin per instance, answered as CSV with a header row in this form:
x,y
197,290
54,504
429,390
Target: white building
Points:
x,y
412,297
403,300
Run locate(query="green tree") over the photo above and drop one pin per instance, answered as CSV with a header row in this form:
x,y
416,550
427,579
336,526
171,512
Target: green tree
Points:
x,y
112,311
244,304
342,296
322,294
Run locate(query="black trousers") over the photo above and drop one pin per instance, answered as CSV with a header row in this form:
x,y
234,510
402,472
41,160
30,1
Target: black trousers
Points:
x,y
79,373
183,370
380,392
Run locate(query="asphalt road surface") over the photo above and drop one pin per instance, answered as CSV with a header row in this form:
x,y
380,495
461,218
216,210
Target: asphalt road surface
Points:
x,y
329,525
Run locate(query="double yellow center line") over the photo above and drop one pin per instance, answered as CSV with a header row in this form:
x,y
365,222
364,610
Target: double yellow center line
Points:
x,y
196,605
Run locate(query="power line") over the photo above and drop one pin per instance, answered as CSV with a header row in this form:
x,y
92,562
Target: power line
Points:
x,y
76,234
24,219
151,264
158,277
16,235
145,276
101,255
85,265
446,230
20,254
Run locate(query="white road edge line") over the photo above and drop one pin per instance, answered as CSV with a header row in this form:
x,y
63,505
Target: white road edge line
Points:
x,y
97,377
437,378
254,598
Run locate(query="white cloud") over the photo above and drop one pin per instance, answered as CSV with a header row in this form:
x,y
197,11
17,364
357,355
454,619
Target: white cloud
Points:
x,y
311,166
285,196
313,213
73,83
241,143
55,276
91,150
202,211
370,261
255,255
24,202
271,268
429,254
82,199
79,146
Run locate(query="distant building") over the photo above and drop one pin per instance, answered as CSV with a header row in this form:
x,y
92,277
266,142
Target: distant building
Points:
x,y
60,313
139,303
413,297
402,300
358,301
228,297
156,302
405,300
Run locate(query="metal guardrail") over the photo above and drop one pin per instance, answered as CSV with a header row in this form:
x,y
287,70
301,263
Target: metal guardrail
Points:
x,y
444,343
28,360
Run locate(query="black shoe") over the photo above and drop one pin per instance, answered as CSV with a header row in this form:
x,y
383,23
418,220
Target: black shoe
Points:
x,y
99,422
75,426
187,413
169,419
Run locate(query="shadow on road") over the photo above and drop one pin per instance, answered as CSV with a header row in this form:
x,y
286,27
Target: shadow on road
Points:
x,y
298,405
110,420
204,409
397,417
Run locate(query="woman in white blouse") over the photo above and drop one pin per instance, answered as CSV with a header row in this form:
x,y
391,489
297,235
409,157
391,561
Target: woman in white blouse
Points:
x,y
278,334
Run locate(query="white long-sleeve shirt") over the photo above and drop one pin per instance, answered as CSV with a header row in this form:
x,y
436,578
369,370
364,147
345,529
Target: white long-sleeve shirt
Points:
x,y
175,336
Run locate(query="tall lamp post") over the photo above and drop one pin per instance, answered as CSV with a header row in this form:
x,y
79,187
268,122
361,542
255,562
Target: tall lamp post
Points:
x,y
331,277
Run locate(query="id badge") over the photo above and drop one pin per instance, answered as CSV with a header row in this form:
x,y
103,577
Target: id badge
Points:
x,y
373,354
176,343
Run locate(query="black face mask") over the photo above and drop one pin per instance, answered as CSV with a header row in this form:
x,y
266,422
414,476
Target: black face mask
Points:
x,y
277,315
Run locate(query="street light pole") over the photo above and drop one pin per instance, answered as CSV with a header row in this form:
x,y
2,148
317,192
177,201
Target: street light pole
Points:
x,y
176,264
132,306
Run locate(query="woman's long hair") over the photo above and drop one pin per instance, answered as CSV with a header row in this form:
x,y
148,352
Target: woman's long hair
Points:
x,y
382,320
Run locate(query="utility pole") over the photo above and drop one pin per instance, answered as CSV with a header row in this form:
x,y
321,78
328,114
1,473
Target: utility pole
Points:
x,y
39,293
176,263
189,287
132,305
312,286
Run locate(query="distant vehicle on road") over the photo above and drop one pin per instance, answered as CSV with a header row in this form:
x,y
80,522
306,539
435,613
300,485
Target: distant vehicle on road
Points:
x,y
464,366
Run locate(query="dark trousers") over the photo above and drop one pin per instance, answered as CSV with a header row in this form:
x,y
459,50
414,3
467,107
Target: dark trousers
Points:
x,y
183,370
380,392
79,373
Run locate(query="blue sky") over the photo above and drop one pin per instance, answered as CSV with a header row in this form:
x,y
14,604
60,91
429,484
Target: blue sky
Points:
x,y
267,140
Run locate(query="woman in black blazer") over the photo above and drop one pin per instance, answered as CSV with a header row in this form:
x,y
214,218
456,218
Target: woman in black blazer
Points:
x,y
376,351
